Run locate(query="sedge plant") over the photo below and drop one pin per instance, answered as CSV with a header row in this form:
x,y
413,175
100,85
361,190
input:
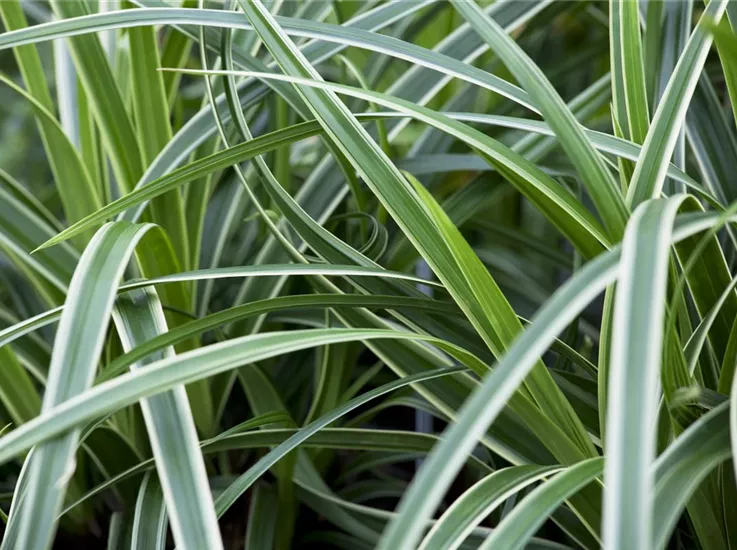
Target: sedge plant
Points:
x,y
368,274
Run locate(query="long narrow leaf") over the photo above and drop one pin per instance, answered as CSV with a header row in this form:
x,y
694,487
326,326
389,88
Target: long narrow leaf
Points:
x,y
139,317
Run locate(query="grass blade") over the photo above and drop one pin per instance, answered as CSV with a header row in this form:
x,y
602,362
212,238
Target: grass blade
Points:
x,y
633,70
149,517
595,176
649,176
104,96
139,318
187,367
529,515
634,371
439,470
89,302
679,471
151,115
478,502
79,195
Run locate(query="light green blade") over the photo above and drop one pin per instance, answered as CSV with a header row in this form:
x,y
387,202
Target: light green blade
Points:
x,y
684,465
633,70
529,515
649,176
634,372
483,303
195,365
24,327
153,130
77,348
78,193
478,502
595,176
105,98
139,318
149,517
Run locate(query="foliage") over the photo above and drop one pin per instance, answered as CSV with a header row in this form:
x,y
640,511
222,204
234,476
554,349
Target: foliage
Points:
x,y
363,274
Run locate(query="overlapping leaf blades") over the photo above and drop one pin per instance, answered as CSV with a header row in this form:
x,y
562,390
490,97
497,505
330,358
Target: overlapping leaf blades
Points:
x,y
511,197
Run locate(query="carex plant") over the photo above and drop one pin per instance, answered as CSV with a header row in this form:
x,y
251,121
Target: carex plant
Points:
x,y
368,274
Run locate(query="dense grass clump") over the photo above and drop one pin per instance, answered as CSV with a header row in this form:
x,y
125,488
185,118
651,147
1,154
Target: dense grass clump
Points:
x,y
368,274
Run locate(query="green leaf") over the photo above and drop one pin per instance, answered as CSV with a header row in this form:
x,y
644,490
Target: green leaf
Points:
x,y
529,515
260,307
567,213
105,99
228,497
79,195
24,327
593,172
188,367
18,394
139,318
647,181
151,115
484,305
682,467
261,519
345,35
79,341
634,370
478,502
149,517
633,70
22,230
577,221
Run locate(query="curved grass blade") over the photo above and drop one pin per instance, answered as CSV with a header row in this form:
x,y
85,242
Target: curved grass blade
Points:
x,y
149,517
634,373
343,35
470,509
649,176
712,141
238,487
12,526
276,139
139,318
397,442
20,230
684,465
363,399
78,344
280,196
484,305
79,195
438,471
556,202
16,331
260,307
695,344
529,515
105,99
594,174
79,198
539,382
